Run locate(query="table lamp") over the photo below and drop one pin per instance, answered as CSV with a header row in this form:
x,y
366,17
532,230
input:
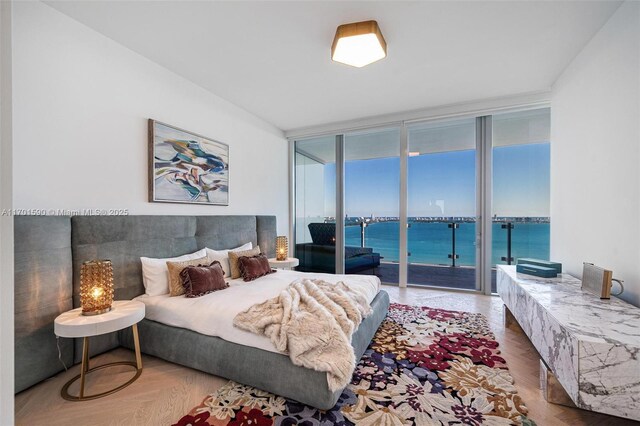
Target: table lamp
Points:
x,y
96,287
282,248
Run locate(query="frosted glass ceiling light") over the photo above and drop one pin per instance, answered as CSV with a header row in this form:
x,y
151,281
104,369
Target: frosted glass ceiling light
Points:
x,y
358,44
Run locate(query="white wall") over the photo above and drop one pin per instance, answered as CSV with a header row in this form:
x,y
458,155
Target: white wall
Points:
x,y
595,154
81,104
6,221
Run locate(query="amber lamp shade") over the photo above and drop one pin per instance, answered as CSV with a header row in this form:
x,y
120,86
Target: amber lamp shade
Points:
x,y
282,248
96,287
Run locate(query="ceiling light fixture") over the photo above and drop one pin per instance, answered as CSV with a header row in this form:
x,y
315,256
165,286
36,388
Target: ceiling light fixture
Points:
x,y
358,44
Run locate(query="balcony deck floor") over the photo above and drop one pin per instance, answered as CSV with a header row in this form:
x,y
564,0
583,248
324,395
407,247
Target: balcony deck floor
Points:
x,y
433,275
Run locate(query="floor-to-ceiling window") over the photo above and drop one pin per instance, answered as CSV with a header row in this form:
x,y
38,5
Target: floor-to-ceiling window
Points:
x,y
315,204
520,205
371,203
438,178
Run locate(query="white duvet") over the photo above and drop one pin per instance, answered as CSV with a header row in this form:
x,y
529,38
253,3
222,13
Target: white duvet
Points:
x,y
213,313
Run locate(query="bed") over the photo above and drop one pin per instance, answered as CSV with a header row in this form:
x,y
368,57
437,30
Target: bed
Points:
x,y
189,332
49,254
212,314
229,353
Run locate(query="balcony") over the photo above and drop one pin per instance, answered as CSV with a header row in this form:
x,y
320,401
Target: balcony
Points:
x,y
442,251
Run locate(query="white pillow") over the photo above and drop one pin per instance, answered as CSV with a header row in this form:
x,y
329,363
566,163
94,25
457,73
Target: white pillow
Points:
x,y
155,274
222,256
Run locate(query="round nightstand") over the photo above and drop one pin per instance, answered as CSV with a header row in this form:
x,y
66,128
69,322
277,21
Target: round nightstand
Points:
x,y
123,314
290,263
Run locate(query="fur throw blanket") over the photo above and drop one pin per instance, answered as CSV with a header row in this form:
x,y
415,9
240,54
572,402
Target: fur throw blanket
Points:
x,y
313,321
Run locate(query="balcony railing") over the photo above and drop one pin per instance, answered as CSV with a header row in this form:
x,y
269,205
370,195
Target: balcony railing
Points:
x,y
506,233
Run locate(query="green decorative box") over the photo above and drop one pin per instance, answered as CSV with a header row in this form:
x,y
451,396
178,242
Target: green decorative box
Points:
x,y
544,263
538,271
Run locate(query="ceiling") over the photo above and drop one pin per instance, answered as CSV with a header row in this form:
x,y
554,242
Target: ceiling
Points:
x,y
273,58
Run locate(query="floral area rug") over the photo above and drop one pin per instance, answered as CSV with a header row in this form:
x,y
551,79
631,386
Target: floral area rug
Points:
x,y
424,366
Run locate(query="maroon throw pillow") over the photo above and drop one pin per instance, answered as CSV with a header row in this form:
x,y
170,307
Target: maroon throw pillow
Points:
x,y
252,267
200,280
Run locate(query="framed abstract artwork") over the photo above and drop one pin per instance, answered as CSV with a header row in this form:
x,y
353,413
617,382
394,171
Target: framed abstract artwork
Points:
x,y
186,168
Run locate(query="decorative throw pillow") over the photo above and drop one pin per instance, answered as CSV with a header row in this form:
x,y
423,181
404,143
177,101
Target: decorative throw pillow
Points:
x,y
235,255
175,283
222,256
155,275
254,267
200,280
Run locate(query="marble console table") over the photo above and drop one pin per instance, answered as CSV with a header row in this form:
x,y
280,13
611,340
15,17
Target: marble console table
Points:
x,y
592,346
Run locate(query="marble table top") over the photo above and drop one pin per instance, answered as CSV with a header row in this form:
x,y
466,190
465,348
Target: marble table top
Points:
x,y
591,345
580,312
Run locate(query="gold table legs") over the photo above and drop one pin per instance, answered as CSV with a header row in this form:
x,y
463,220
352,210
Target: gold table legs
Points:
x,y
551,388
510,321
84,370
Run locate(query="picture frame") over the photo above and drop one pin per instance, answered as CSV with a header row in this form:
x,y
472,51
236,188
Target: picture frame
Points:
x,y
185,167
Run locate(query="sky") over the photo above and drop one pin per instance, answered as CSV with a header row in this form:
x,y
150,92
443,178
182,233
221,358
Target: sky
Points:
x,y
443,184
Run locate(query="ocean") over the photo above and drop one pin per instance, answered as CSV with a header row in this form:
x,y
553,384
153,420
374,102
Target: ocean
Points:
x,y
430,242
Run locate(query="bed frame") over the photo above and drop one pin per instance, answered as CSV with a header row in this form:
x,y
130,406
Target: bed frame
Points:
x,y
50,250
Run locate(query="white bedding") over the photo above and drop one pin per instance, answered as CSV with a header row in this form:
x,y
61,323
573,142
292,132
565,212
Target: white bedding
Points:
x,y
213,313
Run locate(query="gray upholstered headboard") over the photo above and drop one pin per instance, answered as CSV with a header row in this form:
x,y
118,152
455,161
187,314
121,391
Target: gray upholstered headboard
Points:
x,y
124,239
50,251
43,290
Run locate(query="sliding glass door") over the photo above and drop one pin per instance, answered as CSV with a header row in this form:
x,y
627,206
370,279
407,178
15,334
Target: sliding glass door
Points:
x,y
442,233
436,203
